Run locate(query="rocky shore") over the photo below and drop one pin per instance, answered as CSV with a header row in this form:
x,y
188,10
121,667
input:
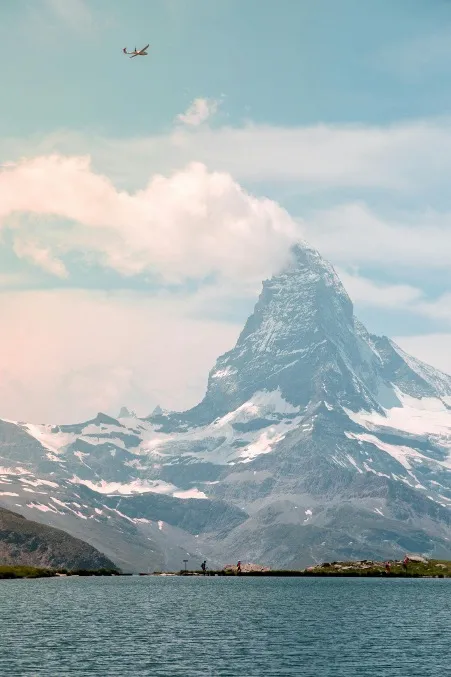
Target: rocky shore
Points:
x,y
415,567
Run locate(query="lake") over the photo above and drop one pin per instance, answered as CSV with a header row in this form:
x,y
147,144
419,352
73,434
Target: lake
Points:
x,y
225,627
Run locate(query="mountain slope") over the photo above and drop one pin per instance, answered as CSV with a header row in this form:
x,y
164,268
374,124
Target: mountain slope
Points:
x,y
24,542
315,440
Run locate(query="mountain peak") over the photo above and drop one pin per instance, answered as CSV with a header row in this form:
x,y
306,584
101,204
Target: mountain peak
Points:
x,y
300,338
126,413
315,440
304,340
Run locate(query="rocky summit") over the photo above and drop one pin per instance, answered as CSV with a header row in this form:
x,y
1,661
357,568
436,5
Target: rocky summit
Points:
x,y
315,441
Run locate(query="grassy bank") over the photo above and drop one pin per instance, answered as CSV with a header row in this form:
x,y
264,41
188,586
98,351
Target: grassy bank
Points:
x,y
25,572
9,572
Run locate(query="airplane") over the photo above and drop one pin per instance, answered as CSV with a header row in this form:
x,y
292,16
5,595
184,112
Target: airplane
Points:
x,y
136,52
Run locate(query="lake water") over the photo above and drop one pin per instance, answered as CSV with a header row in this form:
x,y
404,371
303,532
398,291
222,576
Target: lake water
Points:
x,y
225,627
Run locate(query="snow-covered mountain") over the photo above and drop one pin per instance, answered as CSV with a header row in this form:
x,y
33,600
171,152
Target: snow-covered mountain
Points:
x,y
315,440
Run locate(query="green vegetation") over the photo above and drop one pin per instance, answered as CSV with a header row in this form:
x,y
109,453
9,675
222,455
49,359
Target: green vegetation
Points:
x,y
7,571
94,572
25,572
429,568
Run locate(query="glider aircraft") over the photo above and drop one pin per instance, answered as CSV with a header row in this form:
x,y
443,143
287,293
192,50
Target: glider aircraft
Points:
x,y
136,52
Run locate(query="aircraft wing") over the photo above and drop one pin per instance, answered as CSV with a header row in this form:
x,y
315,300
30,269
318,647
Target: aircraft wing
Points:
x,y
144,48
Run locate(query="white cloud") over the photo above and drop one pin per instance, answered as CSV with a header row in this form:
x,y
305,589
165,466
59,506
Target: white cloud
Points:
x,y
191,225
438,309
434,349
40,256
407,158
68,353
403,157
376,294
407,298
413,158
353,233
75,352
198,112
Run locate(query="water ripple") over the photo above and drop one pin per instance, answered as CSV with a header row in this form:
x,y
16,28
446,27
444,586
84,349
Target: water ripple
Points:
x,y
224,627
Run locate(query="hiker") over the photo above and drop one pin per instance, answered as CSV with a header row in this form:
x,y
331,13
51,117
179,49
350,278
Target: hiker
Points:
x,y
387,567
203,566
238,567
405,563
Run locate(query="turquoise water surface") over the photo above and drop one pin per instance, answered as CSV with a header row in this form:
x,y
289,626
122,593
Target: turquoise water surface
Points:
x,y
230,627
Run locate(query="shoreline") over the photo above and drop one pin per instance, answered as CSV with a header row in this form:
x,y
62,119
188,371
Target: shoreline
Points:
x,y
12,572
363,569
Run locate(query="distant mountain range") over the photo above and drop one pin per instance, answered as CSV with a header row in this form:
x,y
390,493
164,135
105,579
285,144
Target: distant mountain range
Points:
x,y
315,440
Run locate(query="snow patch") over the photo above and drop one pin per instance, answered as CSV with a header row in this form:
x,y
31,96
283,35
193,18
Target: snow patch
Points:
x,y
67,507
42,507
14,471
135,487
121,514
352,462
190,493
263,403
263,445
38,483
135,463
139,487
418,416
55,442
400,453
221,373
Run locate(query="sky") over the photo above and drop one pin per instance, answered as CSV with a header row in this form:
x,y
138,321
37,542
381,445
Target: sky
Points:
x,y
143,201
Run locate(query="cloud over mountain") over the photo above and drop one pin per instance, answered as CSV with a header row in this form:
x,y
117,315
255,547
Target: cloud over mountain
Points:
x,y
193,224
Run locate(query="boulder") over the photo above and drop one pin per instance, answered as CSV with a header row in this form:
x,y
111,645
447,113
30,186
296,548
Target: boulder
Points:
x,y
417,558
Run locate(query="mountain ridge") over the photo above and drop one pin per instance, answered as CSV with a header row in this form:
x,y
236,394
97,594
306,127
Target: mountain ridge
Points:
x,y
315,440
26,542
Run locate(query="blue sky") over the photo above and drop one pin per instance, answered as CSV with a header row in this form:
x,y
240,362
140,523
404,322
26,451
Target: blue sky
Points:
x,y
292,64
337,110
